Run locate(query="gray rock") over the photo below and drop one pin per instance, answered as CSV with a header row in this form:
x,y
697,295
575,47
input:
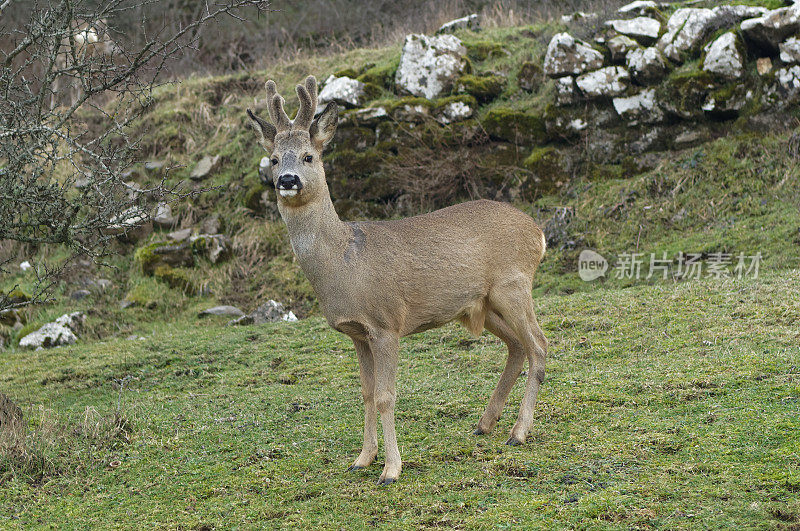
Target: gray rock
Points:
x,y
637,7
471,22
9,317
646,66
54,334
155,167
731,105
163,217
689,138
643,29
231,311
770,29
639,108
578,16
370,116
204,168
730,15
411,113
723,57
212,225
790,51
125,303
180,235
529,76
216,247
608,81
455,111
269,312
343,90
686,29
177,255
566,55
103,284
265,169
430,66
80,294
788,80
620,46
565,90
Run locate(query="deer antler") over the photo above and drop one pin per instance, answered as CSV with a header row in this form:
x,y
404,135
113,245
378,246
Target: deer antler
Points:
x,y
275,106
308,104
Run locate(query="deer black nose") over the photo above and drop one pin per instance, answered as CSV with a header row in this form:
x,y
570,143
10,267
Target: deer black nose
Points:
x,y
287,181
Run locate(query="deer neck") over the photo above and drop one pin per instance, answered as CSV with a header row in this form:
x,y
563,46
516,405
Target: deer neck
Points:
x,y
317,234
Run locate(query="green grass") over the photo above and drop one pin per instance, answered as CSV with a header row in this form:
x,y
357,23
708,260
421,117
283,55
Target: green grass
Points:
x,y
666,405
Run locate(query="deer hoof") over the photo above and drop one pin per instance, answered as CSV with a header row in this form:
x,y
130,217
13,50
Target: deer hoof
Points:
x,y
354,467
386,481
478,431
513,441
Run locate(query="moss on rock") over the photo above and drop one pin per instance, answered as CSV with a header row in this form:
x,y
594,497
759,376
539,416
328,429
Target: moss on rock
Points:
x,y
514,126
152,255
547,169
483,88
483,49
684,92
177,278
382,74
347,72
18,296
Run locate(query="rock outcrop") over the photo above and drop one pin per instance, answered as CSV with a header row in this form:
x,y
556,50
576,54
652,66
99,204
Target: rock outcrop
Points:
x,y
644,30
471,22
768,30
343,90
646,65
57,333
430,66
269,312
566,55
608,81
723,57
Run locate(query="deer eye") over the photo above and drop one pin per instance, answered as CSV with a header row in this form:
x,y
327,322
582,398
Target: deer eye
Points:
x,y
308,158
274,161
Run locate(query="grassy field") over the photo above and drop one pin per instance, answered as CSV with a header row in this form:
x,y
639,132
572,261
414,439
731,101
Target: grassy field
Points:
x,y
665,405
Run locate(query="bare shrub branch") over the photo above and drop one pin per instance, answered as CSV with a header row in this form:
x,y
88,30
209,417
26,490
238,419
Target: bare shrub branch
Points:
x,y
62,169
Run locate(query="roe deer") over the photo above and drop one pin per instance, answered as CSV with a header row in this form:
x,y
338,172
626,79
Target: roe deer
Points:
x,y
378,281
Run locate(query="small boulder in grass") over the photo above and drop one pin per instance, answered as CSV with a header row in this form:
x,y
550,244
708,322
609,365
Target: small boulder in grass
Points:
x,y
269,312
230,311
471,22
57,333
204,168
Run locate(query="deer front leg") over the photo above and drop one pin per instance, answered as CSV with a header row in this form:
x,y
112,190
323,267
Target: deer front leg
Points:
x,y
384,348
369,449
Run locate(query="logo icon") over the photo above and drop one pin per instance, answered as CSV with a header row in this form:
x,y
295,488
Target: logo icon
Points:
x,y
591,265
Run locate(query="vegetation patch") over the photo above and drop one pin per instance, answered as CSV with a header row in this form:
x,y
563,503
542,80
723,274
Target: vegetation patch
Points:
x,y
515,126
483,88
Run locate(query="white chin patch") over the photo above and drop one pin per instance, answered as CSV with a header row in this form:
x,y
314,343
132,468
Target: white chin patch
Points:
x,y
287,193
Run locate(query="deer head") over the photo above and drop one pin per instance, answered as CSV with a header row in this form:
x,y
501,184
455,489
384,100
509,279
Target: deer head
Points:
x,y
296,146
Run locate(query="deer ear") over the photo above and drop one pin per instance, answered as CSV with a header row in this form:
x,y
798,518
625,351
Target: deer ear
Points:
x,y
265,130
324,126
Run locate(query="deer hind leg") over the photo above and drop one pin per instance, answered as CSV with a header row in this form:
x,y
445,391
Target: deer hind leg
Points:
x,y
515,304
366,366
384,346
514,364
